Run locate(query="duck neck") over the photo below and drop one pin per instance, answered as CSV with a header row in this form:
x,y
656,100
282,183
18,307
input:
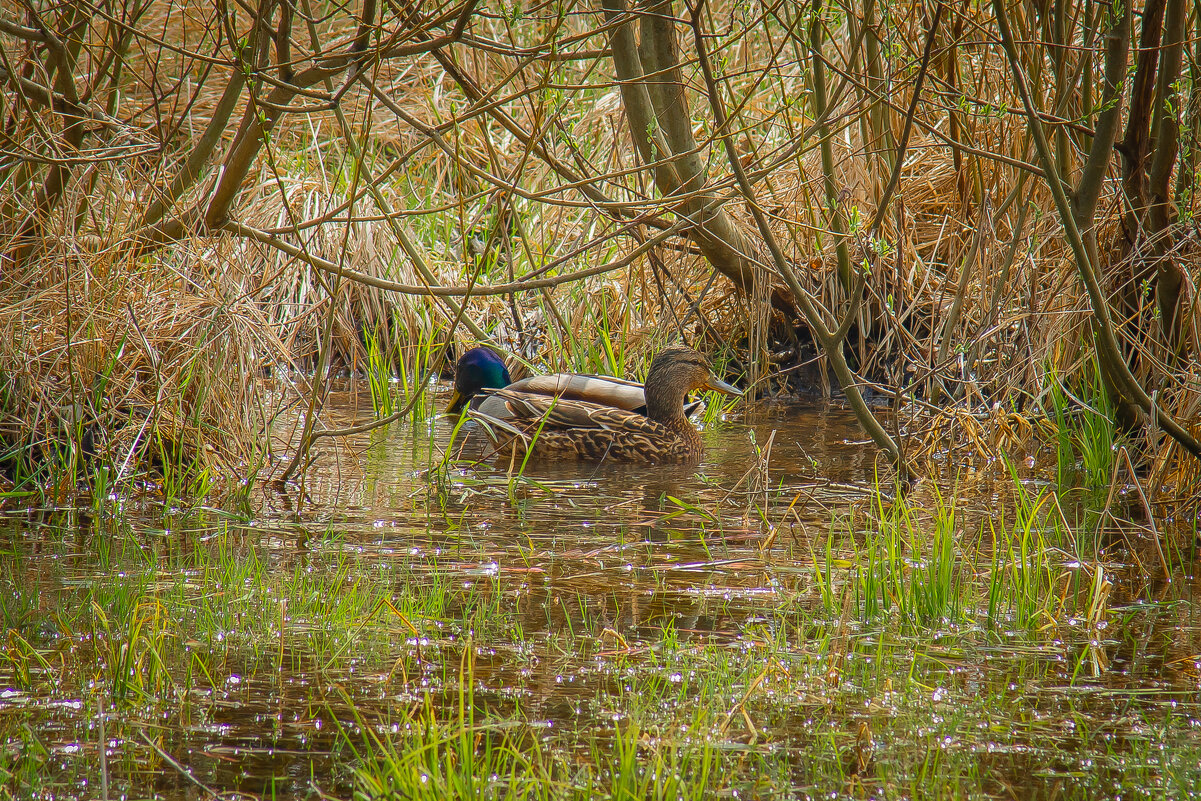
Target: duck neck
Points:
x,y
665,403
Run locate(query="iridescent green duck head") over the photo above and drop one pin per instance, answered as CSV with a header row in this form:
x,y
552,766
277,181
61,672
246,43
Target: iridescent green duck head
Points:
x,y
477,369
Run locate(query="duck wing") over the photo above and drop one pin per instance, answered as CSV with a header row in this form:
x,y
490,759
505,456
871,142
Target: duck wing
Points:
x,y
602,390
599,389
555,428
528,410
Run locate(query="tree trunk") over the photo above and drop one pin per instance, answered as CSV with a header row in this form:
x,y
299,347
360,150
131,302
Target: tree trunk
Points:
x,y
660,125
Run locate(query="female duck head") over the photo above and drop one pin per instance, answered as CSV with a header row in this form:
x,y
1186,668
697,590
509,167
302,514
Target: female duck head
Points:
x,y
477,369
676,371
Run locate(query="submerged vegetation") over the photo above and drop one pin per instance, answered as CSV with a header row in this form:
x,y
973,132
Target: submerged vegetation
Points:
x,y
705,638
946,548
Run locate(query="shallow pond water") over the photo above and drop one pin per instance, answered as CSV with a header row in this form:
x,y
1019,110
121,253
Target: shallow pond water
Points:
x,y
768,624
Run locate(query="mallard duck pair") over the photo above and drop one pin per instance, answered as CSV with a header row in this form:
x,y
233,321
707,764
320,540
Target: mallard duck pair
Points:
x,y
587,417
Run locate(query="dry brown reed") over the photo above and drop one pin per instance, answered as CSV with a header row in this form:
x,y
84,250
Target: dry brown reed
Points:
x,y
186,332
134,366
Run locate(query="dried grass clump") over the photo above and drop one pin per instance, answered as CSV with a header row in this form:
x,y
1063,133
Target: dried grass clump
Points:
x,y
148,369
169,353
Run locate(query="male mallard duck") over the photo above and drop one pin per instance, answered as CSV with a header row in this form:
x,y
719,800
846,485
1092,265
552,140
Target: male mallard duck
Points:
x,y
477,369
560,427
481,369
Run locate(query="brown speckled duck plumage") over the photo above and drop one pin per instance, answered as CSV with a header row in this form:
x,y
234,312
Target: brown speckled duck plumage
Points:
x,y
556,427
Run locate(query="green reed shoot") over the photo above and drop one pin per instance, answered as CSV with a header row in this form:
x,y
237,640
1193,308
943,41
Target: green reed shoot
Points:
x,y
427,758
379,376
1086,435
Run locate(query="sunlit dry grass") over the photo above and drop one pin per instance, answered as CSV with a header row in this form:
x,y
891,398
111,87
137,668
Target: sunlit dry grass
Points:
x,y
122,367
483,206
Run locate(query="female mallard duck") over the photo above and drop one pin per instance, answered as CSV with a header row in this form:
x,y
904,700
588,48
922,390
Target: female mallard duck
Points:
x,y
555,426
